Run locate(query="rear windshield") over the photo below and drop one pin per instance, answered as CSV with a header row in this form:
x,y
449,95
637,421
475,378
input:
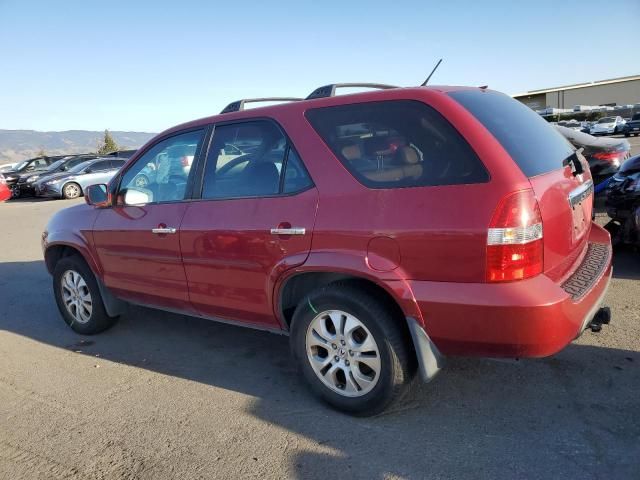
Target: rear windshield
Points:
x,y
396,144
533,143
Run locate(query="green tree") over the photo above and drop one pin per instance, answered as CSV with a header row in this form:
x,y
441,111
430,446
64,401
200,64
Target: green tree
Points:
x,y
108,144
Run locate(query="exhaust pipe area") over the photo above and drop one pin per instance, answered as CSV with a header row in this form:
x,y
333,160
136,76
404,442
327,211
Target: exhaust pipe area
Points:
x,y
603,317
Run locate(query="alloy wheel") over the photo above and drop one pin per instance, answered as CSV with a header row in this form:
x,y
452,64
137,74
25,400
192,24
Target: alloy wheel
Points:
x,y
343,353
72,191
76,296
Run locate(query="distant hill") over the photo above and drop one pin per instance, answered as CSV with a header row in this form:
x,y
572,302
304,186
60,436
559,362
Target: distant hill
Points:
x,y
17,145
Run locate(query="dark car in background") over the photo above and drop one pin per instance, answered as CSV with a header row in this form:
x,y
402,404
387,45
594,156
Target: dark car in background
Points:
x,y
605,155
25,183
623,203
71,184
24,167
632,127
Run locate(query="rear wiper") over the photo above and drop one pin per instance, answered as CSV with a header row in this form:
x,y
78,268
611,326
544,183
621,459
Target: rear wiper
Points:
x,y
574,162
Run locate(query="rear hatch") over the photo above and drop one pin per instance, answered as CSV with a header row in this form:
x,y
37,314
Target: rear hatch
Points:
x,y
559,175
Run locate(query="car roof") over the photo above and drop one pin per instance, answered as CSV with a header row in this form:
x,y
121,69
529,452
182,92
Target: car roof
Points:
x,y
302,105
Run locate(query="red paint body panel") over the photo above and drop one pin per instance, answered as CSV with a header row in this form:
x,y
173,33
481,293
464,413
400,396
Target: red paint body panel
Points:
x,y
5,193
529,318
229,253
138,265
425,246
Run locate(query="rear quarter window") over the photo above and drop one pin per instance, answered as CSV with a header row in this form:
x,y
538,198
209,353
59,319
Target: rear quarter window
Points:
x,y
531,142
396,144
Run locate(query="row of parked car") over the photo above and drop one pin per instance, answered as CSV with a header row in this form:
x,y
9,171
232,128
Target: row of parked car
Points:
x,y
59,176
606,126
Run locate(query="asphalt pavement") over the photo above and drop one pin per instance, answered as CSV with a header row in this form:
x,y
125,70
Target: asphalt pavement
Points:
x,y
167,396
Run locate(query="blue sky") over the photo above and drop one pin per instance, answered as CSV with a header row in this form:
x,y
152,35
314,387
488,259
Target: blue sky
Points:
x,y
147,65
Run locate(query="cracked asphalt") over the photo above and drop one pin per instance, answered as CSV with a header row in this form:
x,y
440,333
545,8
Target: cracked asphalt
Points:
x,y
165,396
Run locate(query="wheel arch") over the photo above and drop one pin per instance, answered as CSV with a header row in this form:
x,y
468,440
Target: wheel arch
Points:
x,y
56,251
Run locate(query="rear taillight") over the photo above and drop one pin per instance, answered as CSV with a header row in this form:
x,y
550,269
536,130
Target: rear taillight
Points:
x,y
612,157
514,240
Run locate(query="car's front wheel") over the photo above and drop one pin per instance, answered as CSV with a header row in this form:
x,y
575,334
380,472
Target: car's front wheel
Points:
x,y
351,349
71,190
78,297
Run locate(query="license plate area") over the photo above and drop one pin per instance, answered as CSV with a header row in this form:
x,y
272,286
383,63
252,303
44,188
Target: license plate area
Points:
x,y
581,202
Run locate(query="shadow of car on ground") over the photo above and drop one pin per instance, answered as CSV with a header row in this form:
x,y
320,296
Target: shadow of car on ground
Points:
x,y
547,418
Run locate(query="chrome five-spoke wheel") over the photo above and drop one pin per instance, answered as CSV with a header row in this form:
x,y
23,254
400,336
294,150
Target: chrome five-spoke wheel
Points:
x,y
76,296
343,353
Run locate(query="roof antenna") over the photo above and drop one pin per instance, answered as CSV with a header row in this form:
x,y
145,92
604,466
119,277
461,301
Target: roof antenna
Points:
x,y
432,72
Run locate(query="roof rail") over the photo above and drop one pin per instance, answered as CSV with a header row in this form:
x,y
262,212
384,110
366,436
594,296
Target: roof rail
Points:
x,y
330,90
239,104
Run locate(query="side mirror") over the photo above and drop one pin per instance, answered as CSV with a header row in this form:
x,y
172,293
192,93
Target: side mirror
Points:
x,y
97,195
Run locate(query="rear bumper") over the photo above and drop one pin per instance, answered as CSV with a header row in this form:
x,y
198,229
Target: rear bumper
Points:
x,y
530,318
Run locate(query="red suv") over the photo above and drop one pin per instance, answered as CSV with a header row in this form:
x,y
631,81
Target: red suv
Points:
x,y
382,231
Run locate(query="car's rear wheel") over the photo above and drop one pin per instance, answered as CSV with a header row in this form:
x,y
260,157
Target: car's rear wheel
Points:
x,y
351,349
78,297
71,190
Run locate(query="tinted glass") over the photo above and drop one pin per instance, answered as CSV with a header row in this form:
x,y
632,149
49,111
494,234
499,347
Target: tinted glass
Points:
x,y
79,167
532,143
55,165
161,174
396,144
100,166
117,163
245,160
296,177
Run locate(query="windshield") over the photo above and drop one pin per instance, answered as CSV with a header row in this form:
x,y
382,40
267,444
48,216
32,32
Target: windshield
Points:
x,y
54,166
21,165
81,166
533,144
606,120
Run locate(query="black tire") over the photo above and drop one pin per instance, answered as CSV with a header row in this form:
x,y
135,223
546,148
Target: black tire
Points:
x,y
397,359
627,134
98,319
71,190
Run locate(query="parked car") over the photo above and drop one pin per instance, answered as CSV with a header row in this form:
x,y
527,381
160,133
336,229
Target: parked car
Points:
x,y
5,167
623,203
31,166
5,192
382,231
605,155
632,127
573,125
71,183
608,126
26,182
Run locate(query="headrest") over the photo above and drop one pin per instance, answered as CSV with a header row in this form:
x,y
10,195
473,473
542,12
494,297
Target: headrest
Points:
x,y
352,152
407,156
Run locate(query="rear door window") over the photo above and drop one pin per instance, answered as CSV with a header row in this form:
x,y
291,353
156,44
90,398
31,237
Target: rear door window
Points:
x,y
395,144
531,142
249,159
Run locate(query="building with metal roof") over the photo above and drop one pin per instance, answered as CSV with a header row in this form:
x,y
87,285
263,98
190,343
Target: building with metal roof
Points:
x,y
610,92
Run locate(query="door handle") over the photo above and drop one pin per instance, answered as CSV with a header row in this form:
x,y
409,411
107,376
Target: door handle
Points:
x,y
288,231
163,230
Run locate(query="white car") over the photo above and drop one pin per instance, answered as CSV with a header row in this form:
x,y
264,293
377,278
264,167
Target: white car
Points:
x,y
607,126
5,167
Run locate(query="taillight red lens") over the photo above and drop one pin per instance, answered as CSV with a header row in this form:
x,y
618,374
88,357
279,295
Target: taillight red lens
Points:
x,y
514,240
609,156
